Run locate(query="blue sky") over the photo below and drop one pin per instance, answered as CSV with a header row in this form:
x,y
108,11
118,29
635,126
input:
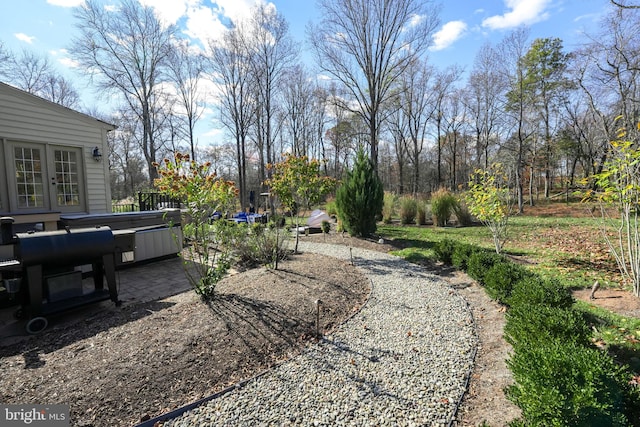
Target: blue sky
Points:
x,y
47,26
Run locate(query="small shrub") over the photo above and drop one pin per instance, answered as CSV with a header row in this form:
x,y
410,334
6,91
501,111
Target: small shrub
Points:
x,y
325,226
463,216
256,244
277,221
536,324
565,384
480,262
388,207
537,290
500,279
423,213
408,210
330,208
443,250
443,204
461,254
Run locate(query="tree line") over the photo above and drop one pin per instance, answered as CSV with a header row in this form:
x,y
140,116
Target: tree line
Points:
x,y
546,113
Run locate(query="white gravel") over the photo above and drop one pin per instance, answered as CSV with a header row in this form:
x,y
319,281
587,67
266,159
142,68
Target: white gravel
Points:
x,y
403,360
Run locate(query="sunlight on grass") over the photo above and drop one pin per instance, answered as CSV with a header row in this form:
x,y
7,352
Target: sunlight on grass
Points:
x,y
616,333
569,249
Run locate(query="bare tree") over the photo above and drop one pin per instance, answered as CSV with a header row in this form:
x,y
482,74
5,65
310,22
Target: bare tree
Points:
x,y
271,52
35,74
185,69
125,52
230,68
5,57
442,87
398,128
60,90
366,45
454,120
341,135
298,93
125,158
29,71
418,105
484,101
512,49
624,5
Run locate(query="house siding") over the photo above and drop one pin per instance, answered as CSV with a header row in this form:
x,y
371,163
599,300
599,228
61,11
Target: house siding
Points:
x,y
26,118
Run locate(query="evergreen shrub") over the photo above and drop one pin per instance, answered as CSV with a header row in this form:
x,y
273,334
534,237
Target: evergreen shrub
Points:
x,y
534,289
360,197
566,384
443,250
480,262
500,279
536,324
461,254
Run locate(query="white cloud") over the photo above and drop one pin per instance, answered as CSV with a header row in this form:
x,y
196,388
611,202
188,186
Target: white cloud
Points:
x,y
202,21
589,17
25,38
448,34
62,56
65,3
68,62
416,20
169,11
204,24
520,12
237,9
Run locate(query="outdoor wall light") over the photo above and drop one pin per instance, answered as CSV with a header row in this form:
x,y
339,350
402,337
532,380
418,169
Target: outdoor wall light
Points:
x,y
97,155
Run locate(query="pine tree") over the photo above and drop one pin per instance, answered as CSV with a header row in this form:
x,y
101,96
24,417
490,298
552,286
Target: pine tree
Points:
x,y
359,199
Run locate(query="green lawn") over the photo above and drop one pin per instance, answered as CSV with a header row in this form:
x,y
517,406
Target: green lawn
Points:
x,y
569,249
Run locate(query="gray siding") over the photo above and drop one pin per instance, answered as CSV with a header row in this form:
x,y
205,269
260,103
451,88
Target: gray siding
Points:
x,y
27,118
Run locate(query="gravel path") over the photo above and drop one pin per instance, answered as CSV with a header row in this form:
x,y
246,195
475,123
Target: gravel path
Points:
x,y
402,360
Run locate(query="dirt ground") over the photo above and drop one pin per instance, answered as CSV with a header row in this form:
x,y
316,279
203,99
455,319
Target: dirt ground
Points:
x,y
124,365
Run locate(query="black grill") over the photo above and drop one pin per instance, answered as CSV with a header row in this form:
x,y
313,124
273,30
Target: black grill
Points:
x,y
64,247
45,263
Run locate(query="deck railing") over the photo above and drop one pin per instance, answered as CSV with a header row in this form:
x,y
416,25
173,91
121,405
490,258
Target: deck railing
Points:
x,y
147,201
155,201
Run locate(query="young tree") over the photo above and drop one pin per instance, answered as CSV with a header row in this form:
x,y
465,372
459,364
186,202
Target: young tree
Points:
x,y
203,193
619,188
298,184
360,198
489,200
366,45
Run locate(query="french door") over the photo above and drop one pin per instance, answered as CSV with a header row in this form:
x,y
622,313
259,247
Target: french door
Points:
x,y
46,178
